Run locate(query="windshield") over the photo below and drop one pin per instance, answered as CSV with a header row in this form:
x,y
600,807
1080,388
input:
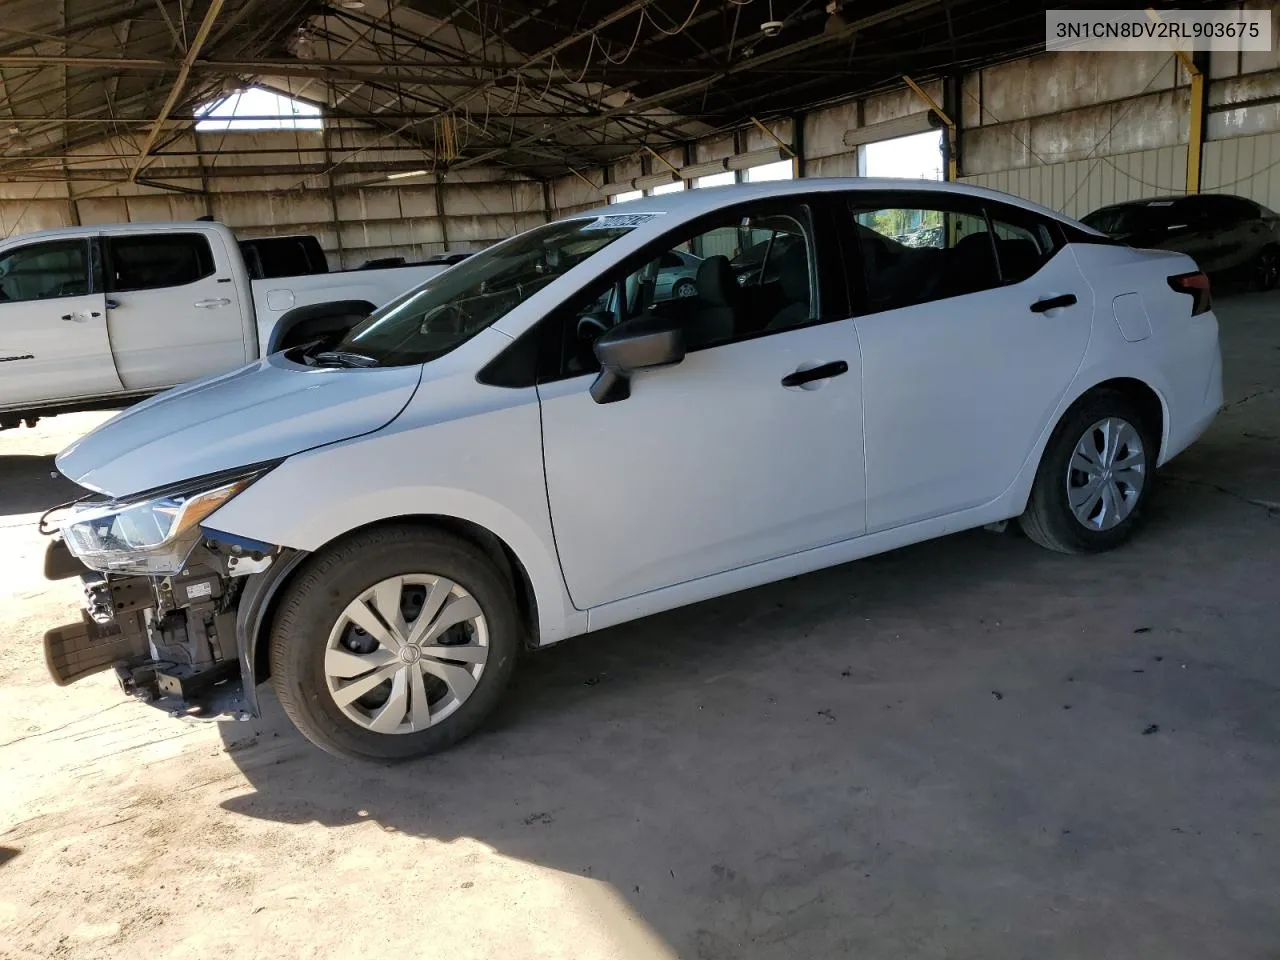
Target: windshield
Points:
x,y
452,307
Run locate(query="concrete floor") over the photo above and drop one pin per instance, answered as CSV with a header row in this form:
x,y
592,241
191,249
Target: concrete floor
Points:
x,y
969,748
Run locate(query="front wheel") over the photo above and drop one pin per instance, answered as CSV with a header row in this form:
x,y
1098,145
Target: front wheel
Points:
x,y
394,644
1095,478
684,289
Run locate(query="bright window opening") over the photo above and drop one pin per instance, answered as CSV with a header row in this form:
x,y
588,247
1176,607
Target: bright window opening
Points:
x,y
782,170
675,187
625,197
267,110
917,157
716,180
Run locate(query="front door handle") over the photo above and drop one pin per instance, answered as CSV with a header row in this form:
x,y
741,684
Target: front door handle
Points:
x,y
823,372
213,302
76,317
112,304
1053,303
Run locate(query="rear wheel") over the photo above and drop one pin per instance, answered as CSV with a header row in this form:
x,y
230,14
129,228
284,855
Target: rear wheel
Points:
x,y
1095,478
684,289
1266,268
394,644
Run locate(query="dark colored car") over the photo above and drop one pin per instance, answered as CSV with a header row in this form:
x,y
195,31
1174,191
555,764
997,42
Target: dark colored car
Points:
x,y
1229,237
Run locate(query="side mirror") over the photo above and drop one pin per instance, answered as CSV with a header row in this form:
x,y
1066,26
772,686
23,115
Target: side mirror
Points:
x,y
639,344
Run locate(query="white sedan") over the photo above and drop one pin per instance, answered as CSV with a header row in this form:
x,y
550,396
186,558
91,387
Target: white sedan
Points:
x,y
496,460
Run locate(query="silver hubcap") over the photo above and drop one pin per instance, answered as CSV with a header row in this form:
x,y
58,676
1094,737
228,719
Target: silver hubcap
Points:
x,y
1106,474
406,653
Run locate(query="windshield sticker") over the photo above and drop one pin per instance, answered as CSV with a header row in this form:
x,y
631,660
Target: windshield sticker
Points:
x,y
620,221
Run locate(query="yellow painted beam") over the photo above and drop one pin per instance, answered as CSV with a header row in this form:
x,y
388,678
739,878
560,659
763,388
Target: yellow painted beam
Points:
x,y
953,170
1195,135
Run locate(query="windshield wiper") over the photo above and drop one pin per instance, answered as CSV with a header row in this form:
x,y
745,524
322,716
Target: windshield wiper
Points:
x,y
343,358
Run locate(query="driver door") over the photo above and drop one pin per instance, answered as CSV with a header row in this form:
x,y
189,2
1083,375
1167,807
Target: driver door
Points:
x,y
713,463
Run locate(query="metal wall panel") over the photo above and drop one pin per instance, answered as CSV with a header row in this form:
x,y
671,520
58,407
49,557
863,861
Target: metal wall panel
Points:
x,y
1079,186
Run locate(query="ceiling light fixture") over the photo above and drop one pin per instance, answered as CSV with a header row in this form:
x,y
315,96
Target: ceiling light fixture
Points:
x,y
407,173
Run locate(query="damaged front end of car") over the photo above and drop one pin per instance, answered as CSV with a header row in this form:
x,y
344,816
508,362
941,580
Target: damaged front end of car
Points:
x,y
171,605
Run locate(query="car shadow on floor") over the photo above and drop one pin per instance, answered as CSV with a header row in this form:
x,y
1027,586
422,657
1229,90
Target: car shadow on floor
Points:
x,y
952,731
32,484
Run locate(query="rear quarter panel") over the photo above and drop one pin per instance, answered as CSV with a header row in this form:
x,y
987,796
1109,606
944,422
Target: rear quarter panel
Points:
x,y
1180,360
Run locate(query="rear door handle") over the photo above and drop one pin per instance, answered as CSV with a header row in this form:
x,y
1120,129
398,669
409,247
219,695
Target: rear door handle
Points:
x,y
823,372
213,302
1053,303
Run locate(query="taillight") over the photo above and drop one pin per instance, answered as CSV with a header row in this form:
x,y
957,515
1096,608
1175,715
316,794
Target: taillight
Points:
x,y
1195,285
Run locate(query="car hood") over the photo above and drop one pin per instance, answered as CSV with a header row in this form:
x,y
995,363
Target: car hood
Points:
x,y
272,408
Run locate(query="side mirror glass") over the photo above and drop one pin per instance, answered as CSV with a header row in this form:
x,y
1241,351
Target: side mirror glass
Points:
x,y
639,344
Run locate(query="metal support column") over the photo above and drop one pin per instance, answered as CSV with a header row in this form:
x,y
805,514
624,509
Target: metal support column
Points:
x,y
1195,131
444,221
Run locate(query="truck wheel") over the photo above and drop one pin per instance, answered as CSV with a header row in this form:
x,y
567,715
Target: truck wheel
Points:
x,y
1095,478
394,644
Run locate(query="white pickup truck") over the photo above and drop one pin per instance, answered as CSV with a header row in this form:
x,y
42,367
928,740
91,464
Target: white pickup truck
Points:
x,y
95,316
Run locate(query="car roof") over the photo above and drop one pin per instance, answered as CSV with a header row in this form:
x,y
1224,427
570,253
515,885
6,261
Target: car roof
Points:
x,y
688,203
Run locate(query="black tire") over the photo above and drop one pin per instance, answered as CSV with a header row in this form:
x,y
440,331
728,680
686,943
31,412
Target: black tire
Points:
x,y
1049,520
1266,268
684,289
320,592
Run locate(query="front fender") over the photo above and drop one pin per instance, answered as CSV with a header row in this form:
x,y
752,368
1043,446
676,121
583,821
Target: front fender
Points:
x,y
260,591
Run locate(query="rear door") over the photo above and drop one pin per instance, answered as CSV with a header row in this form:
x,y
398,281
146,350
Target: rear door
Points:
x,y
174,308
964,356
53,326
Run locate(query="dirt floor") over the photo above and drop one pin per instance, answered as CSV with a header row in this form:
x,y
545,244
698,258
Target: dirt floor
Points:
x,y
969,748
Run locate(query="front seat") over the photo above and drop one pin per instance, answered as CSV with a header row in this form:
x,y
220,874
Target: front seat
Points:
x,y
718,299
793,281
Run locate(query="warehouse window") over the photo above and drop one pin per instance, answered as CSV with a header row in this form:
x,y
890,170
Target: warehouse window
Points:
x,y
675,187
716,180
917,157
782,170
625,197
257,109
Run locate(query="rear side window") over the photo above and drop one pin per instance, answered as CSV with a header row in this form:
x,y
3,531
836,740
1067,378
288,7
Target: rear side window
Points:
x,y
151,261
913,255
1023,244
44,271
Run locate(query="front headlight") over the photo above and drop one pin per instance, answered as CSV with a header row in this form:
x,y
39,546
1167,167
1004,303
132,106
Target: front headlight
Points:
x,y
149,534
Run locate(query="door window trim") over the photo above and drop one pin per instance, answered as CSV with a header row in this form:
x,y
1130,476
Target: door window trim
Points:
x,y
92,271
108,264
832,292
852,201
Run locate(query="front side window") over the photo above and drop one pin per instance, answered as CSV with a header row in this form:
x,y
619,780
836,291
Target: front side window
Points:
x,y
725,281
44,271
151,261
452,307
913,255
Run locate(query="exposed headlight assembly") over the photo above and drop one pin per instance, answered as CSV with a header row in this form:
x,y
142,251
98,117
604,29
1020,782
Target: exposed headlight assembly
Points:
x,y
153,533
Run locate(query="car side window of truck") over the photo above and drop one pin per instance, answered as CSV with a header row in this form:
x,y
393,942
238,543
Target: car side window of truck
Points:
x,y
45,271
150,261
